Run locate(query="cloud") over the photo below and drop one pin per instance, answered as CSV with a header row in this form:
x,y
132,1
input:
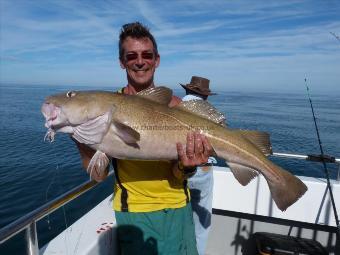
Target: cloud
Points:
x,y
246,41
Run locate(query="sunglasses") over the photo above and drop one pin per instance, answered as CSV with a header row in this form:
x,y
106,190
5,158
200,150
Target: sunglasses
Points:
x,y
144,55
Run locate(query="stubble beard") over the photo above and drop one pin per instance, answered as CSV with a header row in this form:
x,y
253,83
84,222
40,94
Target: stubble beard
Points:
x,y
138,86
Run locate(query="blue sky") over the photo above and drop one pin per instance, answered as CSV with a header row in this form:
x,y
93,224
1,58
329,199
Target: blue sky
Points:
x,y
238,45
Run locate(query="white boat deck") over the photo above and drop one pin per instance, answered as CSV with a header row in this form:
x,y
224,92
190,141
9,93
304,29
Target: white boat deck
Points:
x,y
91,234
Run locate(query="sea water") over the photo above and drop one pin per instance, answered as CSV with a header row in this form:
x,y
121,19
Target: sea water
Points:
x,y
33,172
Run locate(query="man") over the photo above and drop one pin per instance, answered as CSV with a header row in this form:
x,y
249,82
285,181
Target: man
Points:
x,y
150,197
201,184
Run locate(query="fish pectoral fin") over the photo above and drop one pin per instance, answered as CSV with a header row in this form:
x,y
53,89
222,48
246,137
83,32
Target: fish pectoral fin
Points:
x,y
160,94
243,174
203,109
125,132
92,131
98,167
259,138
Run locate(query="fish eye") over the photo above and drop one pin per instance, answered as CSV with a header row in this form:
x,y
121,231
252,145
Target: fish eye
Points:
x,y
70,94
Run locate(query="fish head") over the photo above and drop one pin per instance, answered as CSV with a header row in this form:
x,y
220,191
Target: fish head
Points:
x,y
68,111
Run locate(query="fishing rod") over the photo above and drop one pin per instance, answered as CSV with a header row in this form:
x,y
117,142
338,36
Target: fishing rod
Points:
x,y
336,36
324,158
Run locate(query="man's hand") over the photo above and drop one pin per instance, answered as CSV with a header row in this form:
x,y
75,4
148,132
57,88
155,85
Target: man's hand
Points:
x,y
198,150
86,153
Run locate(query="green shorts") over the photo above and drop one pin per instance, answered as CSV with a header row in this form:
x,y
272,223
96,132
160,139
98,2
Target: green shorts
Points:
x,y
164,232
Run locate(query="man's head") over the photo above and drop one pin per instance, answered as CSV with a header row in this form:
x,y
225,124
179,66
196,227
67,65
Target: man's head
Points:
x,y
138,54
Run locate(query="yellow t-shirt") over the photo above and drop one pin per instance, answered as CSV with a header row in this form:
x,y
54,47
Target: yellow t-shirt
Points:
x,y
150,185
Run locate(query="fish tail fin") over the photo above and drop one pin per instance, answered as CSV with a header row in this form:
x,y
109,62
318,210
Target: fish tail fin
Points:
x,y
287,189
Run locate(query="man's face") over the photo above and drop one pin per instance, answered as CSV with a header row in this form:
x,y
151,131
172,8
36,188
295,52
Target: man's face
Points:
x,y
140,62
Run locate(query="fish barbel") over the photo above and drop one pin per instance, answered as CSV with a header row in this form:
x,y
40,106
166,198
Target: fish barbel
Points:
x,y
143,127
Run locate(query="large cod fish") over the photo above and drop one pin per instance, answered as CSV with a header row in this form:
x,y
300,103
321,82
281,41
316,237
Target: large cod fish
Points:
x,y
144,127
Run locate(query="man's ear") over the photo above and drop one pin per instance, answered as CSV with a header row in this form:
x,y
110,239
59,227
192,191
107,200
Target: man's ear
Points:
x,y
158,60
122,65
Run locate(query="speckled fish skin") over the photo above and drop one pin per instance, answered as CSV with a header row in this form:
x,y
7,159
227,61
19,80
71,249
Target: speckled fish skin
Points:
x,y
133,127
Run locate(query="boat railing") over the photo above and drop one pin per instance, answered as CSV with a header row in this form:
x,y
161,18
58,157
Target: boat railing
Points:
x,y
28,221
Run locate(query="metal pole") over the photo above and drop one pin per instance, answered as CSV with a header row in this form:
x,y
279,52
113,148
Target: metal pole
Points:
x,y
32,247
288,155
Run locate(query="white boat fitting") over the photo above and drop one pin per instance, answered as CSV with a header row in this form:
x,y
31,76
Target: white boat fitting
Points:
x,y
238,213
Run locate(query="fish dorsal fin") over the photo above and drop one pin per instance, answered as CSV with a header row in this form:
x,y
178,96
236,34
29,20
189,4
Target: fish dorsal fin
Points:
x,y
161,95
203,109
243,174
260,139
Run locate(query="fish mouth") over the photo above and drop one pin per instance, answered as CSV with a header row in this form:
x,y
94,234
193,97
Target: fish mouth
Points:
x,y
51,113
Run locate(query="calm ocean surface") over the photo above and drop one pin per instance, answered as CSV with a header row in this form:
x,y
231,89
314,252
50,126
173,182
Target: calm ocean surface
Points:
x,y
33,172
